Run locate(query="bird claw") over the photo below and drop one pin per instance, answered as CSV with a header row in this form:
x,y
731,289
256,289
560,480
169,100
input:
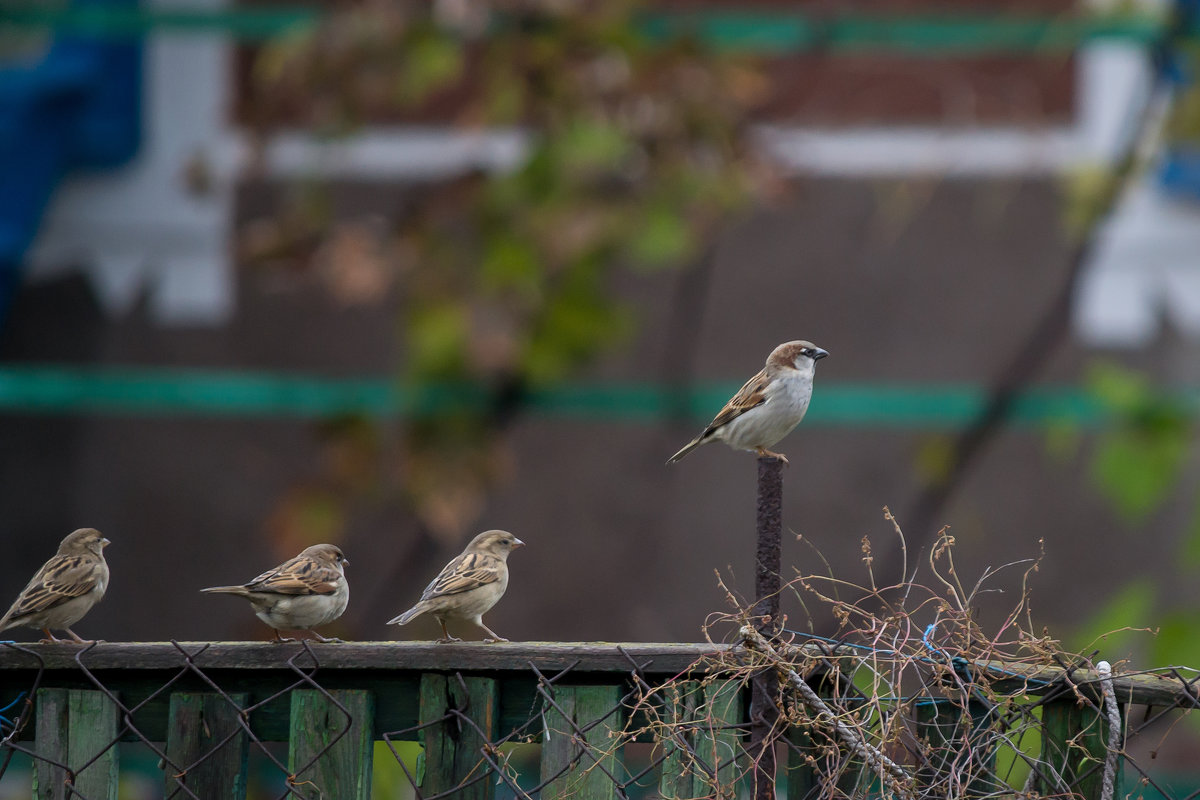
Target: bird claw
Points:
x,y
490,640
765,453
448,640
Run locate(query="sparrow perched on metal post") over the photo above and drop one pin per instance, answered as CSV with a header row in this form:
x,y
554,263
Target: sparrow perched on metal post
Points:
x,y
468,586
65,588
300,594
768,406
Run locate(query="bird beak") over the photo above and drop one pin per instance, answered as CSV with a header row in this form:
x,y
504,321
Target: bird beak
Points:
x,y
345,561
517,543
818,353
104,542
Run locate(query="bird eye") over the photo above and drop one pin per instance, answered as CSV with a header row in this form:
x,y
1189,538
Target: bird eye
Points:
x,y
506,541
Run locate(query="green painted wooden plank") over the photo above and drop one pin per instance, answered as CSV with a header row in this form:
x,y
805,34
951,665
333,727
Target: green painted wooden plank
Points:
x,y
681,776
720,743
959,749
815,760
76,727
92,738
206,742
453,748
703,715
596,711
330,753
1074,745
53,722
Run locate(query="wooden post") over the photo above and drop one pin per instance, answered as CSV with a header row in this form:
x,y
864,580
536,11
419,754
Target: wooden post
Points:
x,y
960,756
719,743
1074,745
702,757
768,563
342,770
583,756
74,726
681,777
197,729
453,748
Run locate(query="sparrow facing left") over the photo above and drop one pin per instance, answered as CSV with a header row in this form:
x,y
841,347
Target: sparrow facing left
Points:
x,y
65,588
768,407
301,593
468,586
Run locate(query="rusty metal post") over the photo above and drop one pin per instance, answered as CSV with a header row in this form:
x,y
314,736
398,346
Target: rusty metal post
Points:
x,y
768,561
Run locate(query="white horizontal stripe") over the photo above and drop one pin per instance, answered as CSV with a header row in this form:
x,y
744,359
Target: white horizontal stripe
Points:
x,y
404,153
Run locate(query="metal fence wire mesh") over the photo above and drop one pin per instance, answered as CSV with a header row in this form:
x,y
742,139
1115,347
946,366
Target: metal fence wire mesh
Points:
x,y
846,719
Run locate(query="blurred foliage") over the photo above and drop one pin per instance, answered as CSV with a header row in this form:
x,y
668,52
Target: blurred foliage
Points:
x,y
1140,464
504,279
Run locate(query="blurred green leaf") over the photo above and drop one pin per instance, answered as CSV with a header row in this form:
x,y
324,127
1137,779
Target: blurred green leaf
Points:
x,y
1138,461
1177,642
590,146
510,262
437,338
1109,627
432,62
663,238
1117,387
1137,469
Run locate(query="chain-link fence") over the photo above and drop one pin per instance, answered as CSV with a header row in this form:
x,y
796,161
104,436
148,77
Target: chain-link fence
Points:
x,y
393,720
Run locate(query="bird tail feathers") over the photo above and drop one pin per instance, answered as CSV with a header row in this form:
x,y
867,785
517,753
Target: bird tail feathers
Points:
x,y
408,616
687,448
239,590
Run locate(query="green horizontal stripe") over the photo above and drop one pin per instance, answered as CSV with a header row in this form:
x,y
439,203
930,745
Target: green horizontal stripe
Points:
x,y
122,22
759,32
155,392
918,35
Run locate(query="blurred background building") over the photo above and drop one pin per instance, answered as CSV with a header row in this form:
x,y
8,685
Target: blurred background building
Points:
x,y
157,384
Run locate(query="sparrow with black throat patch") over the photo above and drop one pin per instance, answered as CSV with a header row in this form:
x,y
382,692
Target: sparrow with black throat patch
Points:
x,y
468,586
65,588
768,407
300,594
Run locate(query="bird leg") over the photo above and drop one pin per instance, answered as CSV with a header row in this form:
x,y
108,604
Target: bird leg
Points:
x,y
50,637
281,639
495,637
765,453
323,639
446,637
76,638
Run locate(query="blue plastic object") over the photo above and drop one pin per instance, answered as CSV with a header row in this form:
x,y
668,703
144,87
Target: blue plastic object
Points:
x,y
78,108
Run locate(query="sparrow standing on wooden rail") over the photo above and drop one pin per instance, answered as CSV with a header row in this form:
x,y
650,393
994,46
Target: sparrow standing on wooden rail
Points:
x,y
65,588
468,586
300,594
769,406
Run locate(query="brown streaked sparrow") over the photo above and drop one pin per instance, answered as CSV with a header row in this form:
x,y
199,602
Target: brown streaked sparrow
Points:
x,y
468,586
768,406
300,594
65,588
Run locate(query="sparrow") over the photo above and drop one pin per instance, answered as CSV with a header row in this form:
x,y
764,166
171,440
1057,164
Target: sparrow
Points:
x,y
301,593
468,586
768,406
65,588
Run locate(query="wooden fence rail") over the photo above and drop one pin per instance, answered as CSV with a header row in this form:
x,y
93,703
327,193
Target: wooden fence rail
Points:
x,y
201,708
